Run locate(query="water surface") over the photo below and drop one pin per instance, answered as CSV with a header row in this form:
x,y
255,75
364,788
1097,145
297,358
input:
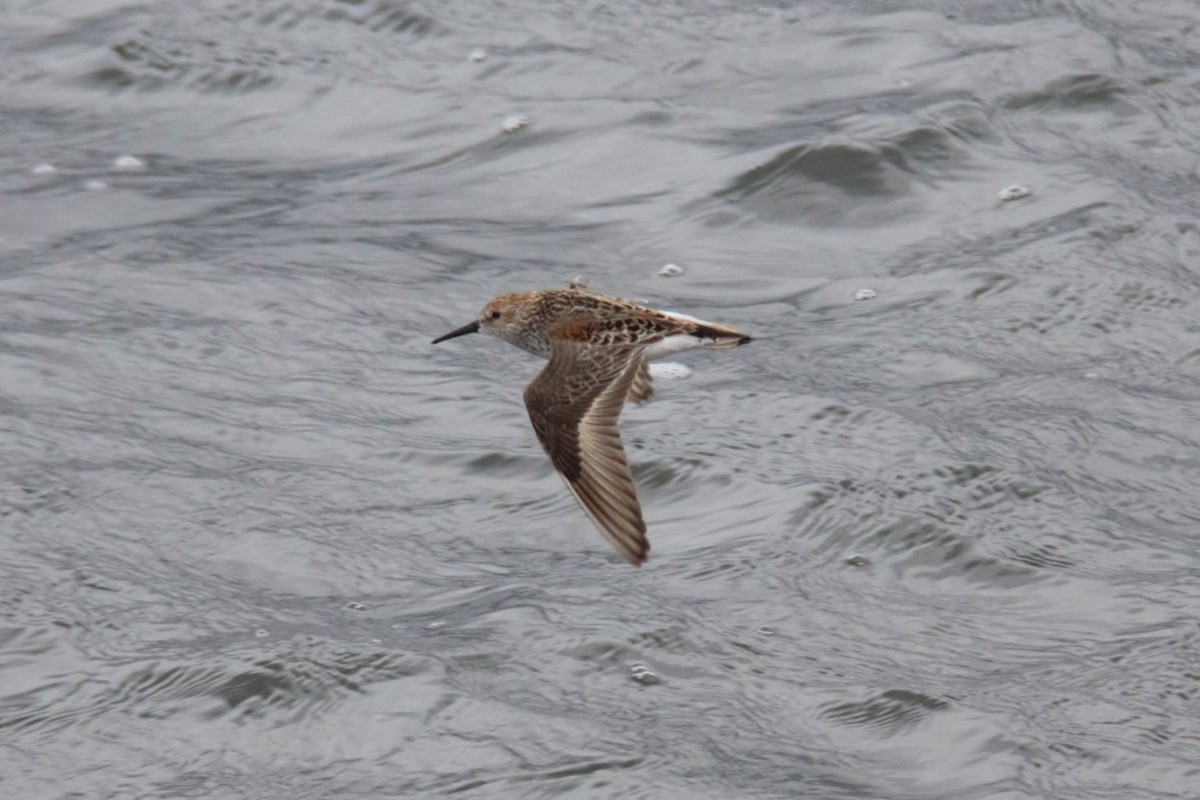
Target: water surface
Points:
x,y
261,540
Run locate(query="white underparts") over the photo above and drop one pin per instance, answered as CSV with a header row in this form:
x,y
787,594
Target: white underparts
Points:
x,y
674,344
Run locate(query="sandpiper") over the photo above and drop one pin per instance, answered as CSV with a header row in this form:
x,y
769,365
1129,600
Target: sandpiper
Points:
x,y
599,348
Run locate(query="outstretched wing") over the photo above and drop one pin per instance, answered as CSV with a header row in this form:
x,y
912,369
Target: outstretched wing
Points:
x,y
574,404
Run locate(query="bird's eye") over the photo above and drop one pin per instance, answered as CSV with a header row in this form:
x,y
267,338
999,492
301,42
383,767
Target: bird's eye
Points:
x,y
495,315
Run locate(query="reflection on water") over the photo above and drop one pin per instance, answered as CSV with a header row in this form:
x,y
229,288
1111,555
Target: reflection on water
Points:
x,y
262,541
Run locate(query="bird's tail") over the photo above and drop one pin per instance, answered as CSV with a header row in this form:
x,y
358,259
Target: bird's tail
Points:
x,y
717,337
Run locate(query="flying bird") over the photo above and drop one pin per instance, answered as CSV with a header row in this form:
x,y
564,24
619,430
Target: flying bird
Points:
x,y
599,350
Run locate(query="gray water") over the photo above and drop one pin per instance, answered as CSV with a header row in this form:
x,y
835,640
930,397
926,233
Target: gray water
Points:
x,y
261,540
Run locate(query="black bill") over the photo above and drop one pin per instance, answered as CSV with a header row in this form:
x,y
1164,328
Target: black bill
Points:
x,y
463,331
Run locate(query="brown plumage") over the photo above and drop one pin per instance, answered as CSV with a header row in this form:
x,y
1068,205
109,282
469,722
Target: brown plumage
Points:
x,y
599,350
640,389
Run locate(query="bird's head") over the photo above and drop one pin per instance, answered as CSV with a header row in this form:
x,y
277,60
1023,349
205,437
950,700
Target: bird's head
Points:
x,y
508,317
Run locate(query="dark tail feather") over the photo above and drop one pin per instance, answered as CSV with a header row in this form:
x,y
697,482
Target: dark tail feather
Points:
x,y
722,336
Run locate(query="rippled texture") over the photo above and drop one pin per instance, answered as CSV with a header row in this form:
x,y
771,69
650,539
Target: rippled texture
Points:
x,y
262,541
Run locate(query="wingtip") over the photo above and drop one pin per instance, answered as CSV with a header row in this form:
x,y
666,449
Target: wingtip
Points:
x,y
745,340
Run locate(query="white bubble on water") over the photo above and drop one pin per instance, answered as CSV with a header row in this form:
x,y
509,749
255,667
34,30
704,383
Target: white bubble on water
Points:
x,y
669,370
643,674
1014,192
128,162
515,123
